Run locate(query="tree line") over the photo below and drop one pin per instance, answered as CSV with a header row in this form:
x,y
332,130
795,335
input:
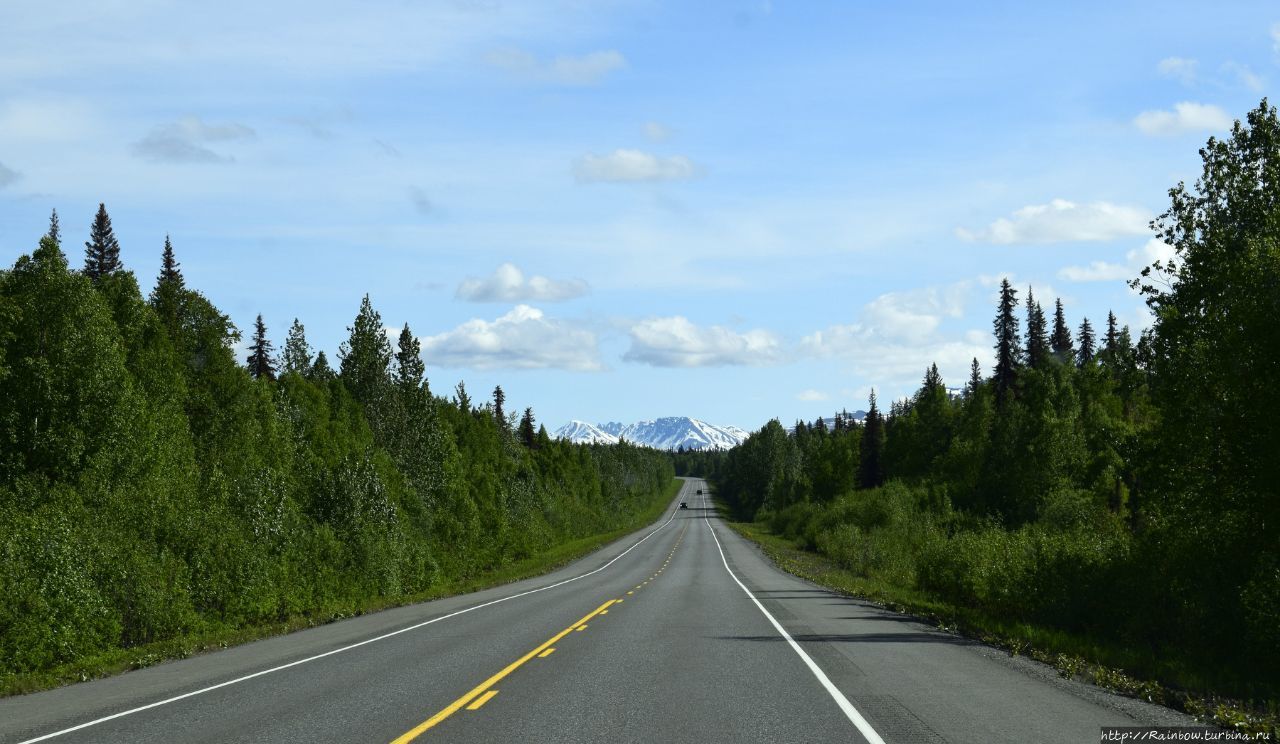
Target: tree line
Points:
x,y
1120,488
152,486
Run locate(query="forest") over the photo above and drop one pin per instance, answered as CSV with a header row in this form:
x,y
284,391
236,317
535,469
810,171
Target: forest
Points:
x,y
1122,490
152,486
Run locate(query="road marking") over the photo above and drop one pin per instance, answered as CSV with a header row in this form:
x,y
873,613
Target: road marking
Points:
x,y
546,653
484,686
341,649
850,712
480,701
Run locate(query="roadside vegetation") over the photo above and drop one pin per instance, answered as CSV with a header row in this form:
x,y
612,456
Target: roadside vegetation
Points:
x,y
1111,499
158,497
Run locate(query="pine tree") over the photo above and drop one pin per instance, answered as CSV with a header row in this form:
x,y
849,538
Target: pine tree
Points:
x,y
932,379
871,464
820,426
169,271
975,378
366,355
297,352
409,366
499,415
1111,345
55,230
1063,348
527,434
260,362
1008,341
1037,334
461,398
320,369
1086,340
102,250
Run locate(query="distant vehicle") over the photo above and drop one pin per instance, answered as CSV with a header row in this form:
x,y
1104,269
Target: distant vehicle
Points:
x,y
683,505
699,491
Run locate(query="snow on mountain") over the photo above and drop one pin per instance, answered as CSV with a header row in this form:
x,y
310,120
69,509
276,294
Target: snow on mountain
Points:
x,y
580,432
672,432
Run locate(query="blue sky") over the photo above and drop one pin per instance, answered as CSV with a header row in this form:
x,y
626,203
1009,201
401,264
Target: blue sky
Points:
x,y
624,210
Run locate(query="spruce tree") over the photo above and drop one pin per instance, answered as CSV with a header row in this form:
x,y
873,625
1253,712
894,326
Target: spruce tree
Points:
x,y
820,426
499,415
297,352
55,230
169,271
1063,348
1008,341
461,398
871,464
1111,345
409,366
320,369
932,379
102,250
366,355
260,362
1086,341
975,378
1037,334
527,434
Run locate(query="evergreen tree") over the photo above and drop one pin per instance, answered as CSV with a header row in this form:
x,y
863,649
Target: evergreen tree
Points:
x,y
1037,334
527,434
297,352
260,362
975,378
1008,341
409,366
1086,341
366,355
820,426
1112,346
102,250
169,271
55,230
461,398
499,415
871,465
932,379
320,369
1063,347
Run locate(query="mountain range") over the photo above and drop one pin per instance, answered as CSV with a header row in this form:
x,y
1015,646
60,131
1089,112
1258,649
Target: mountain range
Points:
x,y
669,433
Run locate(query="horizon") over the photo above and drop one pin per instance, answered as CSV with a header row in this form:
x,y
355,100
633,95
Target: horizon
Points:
x,y
739,211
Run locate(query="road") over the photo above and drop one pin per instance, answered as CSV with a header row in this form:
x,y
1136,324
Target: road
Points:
x,y
682,632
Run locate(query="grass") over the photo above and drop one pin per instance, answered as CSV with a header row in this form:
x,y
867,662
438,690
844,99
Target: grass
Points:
x,y
116,661
1075,657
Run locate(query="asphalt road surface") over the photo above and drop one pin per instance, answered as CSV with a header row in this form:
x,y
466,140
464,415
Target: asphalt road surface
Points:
x,y
682,632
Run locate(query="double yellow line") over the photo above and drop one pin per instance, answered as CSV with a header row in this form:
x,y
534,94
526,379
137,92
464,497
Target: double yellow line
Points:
x,y
482,691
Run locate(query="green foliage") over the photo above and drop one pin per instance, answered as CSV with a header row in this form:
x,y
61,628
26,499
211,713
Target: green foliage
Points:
x,y
151,489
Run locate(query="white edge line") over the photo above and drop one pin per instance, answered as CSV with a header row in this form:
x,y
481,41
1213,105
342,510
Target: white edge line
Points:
x,y
850,712
384,636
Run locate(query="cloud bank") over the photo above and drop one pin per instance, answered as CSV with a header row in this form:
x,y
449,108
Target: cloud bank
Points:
x,y
509,284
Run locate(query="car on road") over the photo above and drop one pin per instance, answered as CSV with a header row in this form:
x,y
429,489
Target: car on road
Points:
x,y
699,491
684,505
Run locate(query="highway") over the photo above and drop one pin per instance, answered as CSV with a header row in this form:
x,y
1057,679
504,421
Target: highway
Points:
x,y
681,632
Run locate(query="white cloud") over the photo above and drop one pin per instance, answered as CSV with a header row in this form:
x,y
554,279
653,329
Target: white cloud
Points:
x,y
676,342
656,131
184,141
7,176
1245,75
1061,221
589,69
812,396
623,166
915,314
524,338
1102,271
1185,117
1179,68
509,284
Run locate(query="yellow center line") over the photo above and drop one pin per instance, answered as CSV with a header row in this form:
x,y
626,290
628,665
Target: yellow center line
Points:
x,y
546,653
481,688
482,700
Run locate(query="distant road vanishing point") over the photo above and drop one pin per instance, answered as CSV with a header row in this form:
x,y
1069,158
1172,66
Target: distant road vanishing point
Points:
x,y
682,632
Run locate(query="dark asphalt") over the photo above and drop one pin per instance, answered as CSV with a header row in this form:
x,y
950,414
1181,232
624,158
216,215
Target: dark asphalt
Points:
x,y
687,656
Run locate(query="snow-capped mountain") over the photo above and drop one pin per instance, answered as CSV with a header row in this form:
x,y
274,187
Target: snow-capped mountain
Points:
x,y
672,432
580,432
